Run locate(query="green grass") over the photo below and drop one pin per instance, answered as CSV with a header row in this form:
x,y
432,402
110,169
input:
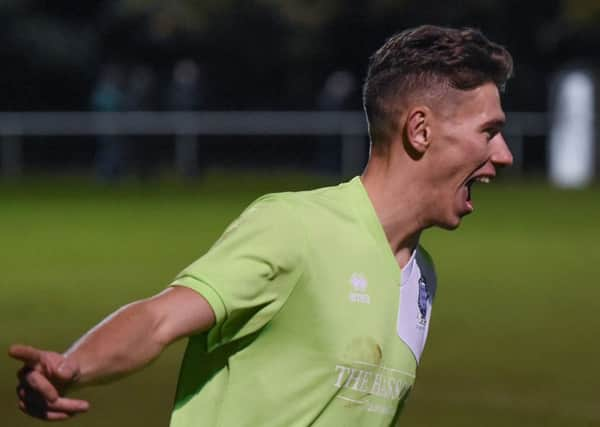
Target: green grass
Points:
x,y
513,335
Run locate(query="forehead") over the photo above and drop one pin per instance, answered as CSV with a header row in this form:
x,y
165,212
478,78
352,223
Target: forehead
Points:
x,y
481,105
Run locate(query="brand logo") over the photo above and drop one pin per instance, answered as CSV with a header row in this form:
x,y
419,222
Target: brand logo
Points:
x,y
359,289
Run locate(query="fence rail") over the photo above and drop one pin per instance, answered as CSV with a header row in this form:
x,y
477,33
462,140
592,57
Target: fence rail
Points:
x,y
186,126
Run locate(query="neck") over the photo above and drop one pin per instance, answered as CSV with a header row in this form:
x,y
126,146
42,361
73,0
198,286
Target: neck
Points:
x,y
397,204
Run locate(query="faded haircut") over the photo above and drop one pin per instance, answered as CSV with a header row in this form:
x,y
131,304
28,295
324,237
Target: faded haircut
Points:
x,y
426,60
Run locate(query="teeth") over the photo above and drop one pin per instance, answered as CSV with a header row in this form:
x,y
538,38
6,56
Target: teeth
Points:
x,y
483,179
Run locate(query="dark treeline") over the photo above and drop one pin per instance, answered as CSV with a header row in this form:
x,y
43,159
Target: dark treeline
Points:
x,y
262,54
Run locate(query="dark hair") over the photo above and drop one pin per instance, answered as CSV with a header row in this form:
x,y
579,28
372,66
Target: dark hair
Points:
x,y
430,57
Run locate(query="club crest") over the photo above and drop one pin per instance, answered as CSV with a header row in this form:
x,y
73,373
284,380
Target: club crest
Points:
x,y
423,299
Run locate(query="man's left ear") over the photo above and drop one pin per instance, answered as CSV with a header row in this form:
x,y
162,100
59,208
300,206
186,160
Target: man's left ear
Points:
x,y
419,129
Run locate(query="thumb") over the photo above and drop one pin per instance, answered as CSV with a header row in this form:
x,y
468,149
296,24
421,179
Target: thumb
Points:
x,y
67,371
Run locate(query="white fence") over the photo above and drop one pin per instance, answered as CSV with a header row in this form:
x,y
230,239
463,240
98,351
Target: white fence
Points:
x,y
187,126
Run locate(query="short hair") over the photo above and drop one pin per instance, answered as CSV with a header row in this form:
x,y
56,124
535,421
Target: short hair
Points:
x,y
429,58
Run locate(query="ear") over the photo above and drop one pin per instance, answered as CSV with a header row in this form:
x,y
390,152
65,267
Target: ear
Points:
x,y
418,129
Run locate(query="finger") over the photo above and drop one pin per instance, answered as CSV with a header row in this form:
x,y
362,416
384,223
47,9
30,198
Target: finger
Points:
x,y
36,381
56,366
71,406
25,353
33,403
56,416
23,372
47,415
50,361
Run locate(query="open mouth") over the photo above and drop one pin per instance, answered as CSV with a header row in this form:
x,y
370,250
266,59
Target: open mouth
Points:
x,y
484,179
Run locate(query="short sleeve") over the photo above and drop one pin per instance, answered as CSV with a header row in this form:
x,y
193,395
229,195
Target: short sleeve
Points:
x,y
250,271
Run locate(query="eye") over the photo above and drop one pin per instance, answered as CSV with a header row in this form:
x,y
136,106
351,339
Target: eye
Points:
x,y
490,133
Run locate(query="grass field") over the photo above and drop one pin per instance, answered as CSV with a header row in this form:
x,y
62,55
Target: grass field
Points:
x,y
514,331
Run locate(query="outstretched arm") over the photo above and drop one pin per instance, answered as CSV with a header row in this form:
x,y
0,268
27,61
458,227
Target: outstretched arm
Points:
x,y
124,342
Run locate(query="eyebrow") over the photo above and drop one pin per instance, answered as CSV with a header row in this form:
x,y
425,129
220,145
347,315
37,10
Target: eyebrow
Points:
x,y
494,123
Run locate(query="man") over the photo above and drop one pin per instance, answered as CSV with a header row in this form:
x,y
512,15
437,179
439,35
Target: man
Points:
x,y
313,307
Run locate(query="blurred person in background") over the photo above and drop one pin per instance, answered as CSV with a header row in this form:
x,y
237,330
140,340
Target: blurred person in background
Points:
x,y
313,308
186,93
141,95
335,95
109,96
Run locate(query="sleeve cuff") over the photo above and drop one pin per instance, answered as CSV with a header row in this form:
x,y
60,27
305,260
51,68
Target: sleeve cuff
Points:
x,y
208,292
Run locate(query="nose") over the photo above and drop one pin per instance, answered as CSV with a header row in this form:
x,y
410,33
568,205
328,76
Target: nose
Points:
x,y
501,155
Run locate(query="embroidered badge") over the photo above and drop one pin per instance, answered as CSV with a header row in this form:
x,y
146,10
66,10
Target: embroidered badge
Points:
x,y
422,300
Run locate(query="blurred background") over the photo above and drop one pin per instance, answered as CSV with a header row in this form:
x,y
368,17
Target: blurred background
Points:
x,y
133,131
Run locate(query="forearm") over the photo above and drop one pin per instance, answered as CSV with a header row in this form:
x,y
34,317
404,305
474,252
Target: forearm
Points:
x,y
124,342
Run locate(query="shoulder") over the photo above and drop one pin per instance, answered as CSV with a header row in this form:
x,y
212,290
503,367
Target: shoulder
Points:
x,y
319,204
299,215
268,230
270,214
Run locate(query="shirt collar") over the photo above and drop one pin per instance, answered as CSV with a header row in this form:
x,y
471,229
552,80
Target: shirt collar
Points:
x,y
364,210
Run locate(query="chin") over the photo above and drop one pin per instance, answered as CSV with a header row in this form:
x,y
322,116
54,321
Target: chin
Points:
x,y
449,223
448,226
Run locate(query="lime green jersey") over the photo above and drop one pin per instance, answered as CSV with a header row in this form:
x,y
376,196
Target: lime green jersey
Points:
x,y
313,326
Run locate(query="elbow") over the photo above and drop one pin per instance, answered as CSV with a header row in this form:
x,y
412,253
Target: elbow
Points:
x,y
154,324
176,313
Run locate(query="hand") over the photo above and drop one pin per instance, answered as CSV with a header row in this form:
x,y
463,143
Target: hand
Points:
x,y
43,379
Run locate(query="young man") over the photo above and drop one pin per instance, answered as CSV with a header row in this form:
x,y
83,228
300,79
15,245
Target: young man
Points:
x,y
313,307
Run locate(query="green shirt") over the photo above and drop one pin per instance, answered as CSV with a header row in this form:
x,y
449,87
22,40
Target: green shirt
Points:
x,y
306,292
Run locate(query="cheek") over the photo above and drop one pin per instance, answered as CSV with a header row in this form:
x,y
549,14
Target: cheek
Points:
x,y
456,153
449,167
